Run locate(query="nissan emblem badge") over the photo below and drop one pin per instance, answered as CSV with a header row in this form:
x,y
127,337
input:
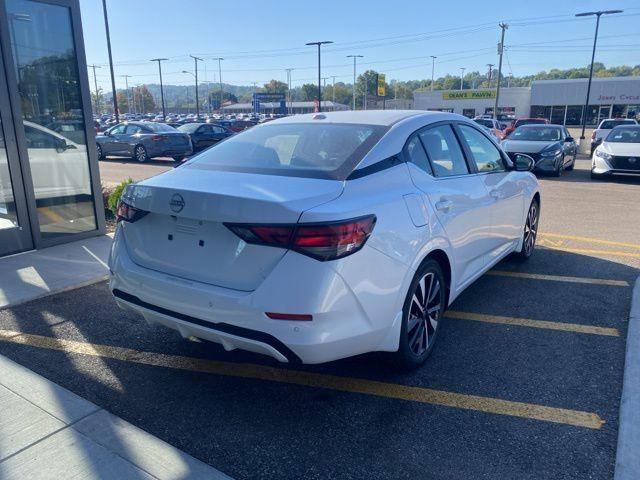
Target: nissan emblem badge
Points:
x,y
177,203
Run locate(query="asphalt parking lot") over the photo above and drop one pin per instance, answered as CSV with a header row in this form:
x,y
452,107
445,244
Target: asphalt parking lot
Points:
x,y
524,382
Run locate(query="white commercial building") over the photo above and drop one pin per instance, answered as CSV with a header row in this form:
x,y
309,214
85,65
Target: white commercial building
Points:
x,y
560,101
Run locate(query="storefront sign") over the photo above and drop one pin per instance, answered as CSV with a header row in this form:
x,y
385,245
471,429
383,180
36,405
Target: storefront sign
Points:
x,y
381,85
469,95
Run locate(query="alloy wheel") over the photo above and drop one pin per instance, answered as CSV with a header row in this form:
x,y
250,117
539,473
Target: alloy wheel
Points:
x,y
531,229
424,314
141,154
99,149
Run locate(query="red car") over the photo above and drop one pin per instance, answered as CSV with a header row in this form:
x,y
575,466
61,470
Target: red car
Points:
x,y
524,121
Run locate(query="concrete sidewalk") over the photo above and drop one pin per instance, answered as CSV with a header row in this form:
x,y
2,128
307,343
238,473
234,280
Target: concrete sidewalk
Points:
x,y
48,432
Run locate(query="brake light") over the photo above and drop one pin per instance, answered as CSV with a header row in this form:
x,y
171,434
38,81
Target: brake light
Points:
x,y
157,138
322,241
128,213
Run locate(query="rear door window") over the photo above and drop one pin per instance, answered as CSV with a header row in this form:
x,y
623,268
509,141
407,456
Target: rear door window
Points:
x,y
444,151
415,153
484,153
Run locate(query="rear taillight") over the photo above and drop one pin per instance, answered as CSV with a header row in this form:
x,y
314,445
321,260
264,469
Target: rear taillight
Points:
x,y
158,138
128,213
322,241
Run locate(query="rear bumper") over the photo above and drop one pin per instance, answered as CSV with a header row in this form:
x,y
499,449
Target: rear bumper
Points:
x,y
341,327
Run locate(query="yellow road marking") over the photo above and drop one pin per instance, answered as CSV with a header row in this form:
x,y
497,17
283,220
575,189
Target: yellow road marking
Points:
x,y
559,278
47,212
590,240
615,253
527,322
317,380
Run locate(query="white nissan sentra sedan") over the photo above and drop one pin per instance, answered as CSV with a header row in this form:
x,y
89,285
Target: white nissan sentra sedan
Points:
x,y
317,237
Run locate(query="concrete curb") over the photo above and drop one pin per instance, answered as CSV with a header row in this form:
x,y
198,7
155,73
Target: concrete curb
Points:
x,y
628,457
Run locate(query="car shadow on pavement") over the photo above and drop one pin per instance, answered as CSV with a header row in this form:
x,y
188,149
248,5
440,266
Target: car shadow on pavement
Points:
x,y
219,418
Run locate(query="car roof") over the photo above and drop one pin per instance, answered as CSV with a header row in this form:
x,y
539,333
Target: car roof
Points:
x,y
366,117
541,125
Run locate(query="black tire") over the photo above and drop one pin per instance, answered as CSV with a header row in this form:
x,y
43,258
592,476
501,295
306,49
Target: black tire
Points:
x,y
558,171
177,159
140,154
420,327
100,152
530,233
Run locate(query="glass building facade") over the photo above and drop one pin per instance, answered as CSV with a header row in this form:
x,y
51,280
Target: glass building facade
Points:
x,y
49,181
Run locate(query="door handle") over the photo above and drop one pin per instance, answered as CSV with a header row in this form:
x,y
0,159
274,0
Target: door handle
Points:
x,y
444,205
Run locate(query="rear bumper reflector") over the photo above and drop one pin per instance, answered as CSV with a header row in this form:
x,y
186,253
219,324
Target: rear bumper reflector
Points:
x,y
220,327
289,316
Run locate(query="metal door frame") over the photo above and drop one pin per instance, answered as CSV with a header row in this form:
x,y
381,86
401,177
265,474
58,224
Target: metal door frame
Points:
x,y
85,95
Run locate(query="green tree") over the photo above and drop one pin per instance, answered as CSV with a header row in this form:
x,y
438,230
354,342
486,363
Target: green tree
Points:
x,y
307,92
275,86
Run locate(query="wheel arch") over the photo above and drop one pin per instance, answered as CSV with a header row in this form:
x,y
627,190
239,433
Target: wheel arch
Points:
x,y
443,260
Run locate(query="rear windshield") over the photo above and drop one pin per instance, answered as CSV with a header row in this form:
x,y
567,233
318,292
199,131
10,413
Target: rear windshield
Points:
x,y
530,122
316,150
609,124
189,127
484,123
624,135
536,134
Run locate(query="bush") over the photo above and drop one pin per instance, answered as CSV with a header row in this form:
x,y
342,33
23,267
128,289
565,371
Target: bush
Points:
x,y
114,195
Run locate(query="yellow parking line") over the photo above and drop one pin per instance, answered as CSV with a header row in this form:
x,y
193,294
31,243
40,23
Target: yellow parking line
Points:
x,y
308,379
590,240
527,322
560,278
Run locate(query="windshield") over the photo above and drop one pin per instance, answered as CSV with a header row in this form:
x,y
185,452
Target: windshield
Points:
x,y
314,150
609,124
159,127
624,135
536,134
531,121
189,127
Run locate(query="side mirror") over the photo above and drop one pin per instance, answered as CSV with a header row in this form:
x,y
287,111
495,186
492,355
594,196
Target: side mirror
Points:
x,y
63,146
568,139
523,163
107,133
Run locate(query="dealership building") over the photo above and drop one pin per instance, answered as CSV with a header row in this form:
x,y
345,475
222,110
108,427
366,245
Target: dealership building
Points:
x,y
49,179
560,101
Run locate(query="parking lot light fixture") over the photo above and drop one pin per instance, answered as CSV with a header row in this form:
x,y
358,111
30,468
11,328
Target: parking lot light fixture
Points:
x,y
433,68
597,14
462,69
195,61
319,44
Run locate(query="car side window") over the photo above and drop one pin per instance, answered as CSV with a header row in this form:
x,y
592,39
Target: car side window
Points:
x,y
485,154
415,154
443,151
217,129
119,130
133,129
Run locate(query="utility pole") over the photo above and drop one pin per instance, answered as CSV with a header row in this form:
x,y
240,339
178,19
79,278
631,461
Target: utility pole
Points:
x,y
113,78
95,84
289,70
333,91
355,58
433,68
598,14
319,44
126,82
219,59
160,60
503,26
490,65
195,62
462,69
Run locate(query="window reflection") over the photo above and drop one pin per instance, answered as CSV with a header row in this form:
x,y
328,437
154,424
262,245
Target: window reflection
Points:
x,y
8,217
48,82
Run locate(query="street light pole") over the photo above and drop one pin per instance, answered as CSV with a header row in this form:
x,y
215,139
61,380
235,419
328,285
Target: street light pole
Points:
x,y
113,78
195,62
95,84
126,83
319,44
503,26
355,58
219,59
462,69
433,68
289,70
598,14
160,60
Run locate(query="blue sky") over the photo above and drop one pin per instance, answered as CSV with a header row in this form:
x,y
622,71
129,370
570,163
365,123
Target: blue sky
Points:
x,y
259,40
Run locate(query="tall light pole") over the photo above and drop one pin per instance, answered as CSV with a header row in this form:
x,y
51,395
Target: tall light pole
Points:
x,y
433,68
598,14
113,78
462,69
333,90
289,70
187,91
95,84
503,26
195,63
319,44
219,59
355,58
126,83
160,60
